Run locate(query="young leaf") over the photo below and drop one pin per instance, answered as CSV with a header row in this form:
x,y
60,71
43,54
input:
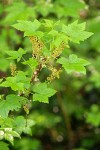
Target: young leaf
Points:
x,y
12,102
53,32
74,64
48,23
42,92
59,39
16,54
31,62
76,32
27,27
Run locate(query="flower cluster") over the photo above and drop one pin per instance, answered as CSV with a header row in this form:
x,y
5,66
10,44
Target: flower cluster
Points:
x,y
55,73
37,46
58,50
13,69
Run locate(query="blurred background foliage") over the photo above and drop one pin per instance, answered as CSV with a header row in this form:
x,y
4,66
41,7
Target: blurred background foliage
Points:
x,y
72,119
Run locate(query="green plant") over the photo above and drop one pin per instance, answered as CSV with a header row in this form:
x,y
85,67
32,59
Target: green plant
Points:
x,y
49,40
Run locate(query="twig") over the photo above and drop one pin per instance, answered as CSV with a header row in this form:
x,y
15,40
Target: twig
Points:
x,y
36,73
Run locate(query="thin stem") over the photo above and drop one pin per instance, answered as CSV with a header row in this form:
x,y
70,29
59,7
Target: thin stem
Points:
x,y
67,121
36,73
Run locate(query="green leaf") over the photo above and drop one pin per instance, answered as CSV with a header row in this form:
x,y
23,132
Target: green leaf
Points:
x,y
27,27
93,116
42,92
51,24
76,32
9,135
73,64
53,32
48,23
9,138
23,125
6,122
46,52
40,98
3,146
31,62
39,34
18,82
11,82
16,54
14,134
60,38
21,78
1,134
12,102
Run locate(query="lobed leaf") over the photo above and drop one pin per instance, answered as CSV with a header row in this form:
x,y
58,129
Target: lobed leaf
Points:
x,y
23,125
73,64
12,102
16,54
18,82
76,32
42,92
31,62
27,27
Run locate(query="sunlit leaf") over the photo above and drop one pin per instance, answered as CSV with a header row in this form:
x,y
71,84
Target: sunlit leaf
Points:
x,y
16,54
76,32
73,64
27,27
